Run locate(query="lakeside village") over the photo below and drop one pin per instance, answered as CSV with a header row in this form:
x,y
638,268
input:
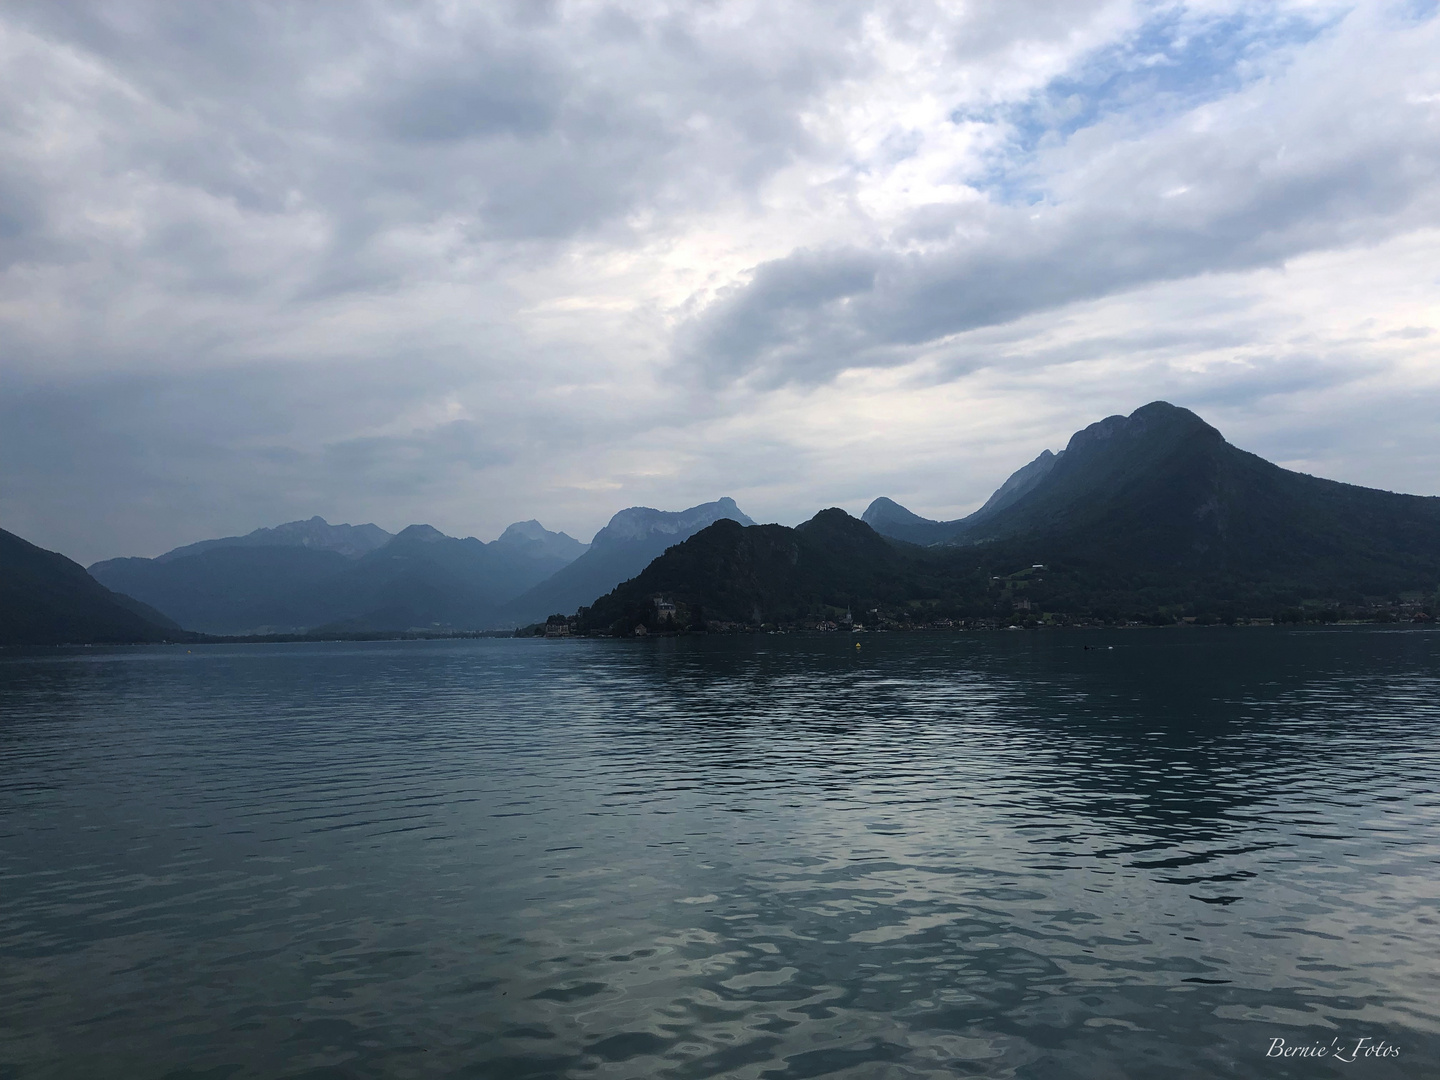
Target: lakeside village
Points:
x,y
1014,611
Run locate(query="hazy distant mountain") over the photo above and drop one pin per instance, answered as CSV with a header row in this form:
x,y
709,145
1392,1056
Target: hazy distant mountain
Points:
x,y
640,523
230,590
317,534
234,584
889,518
619,551
287,581
423,578
46,599
539,540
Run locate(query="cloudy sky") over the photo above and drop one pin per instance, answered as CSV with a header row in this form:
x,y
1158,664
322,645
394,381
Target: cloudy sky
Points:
x,y
468,263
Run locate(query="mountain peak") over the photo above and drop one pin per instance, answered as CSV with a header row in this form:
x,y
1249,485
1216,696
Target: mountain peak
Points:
x,y
758,574
531,534
425,534
1105,449
834,519
835,527
525,530
885,511
1158,417
639,522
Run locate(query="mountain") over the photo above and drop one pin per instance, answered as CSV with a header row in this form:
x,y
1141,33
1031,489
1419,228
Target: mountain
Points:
x,y
768,573
307,576
46,599
619,551
317,534
1160,491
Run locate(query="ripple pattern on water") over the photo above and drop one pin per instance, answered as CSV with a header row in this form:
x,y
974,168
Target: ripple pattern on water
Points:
x,y
766,857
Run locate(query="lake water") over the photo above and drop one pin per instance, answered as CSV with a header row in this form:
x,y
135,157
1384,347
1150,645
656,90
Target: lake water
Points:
x,y
766,857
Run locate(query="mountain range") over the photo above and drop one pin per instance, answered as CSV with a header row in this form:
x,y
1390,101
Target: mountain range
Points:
x,y
1152,515
310,576
317,534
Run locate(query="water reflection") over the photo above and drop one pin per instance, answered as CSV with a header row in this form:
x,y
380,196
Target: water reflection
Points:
x,y
995,855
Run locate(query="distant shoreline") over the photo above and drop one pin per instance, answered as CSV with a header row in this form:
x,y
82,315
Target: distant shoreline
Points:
x,y
304,639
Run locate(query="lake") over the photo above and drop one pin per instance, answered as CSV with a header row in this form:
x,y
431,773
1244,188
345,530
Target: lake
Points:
x,y
1183,852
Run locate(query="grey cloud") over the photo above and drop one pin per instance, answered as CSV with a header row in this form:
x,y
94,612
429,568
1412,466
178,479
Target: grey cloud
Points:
x,y
504,96
1338,437
409,464
811,315
1003,26
23,214
1266,378
505,123
1013,349
1243,197
791,310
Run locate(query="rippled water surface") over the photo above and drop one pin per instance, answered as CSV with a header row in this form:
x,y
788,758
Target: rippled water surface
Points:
x,y
764,857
